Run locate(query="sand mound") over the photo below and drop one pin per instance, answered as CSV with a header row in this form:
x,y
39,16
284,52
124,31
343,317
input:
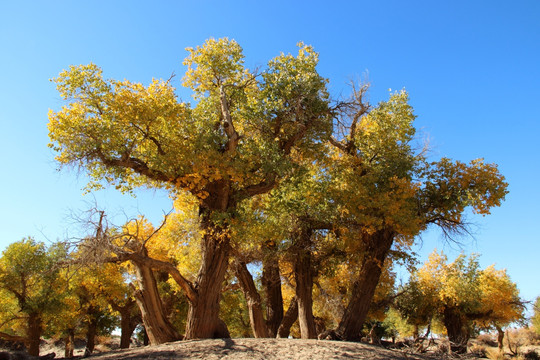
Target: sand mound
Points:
x,y
253,349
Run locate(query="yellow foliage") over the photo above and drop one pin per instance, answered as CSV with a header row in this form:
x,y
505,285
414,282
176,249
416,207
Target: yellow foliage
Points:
x,y
488,293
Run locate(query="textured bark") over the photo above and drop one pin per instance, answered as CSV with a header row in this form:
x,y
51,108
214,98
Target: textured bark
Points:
x,y
34,330
500,338
203,320
91,333
288,320
146,339
128,321
158,327
253,299
303,274
377,247
457,329
271,282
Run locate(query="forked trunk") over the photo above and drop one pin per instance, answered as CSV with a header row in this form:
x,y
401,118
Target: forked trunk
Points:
x,y
303,274
288,320
128,321
157,325
271,282
203,320
378,245
253,299
34,329
126,330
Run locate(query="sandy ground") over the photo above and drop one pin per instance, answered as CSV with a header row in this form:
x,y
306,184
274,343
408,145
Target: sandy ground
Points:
x,y
254,349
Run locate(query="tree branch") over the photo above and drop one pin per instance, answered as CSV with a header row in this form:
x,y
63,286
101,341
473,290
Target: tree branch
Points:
x,y
134,164
228,125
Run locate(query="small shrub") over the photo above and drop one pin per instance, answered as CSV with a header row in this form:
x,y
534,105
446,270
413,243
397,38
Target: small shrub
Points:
x,y
494,354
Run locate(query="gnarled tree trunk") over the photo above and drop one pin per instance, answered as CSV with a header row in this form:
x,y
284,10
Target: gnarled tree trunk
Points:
x,y
303,275
157,325
377,247
457,329
500,338
91,331
33,333
128,321
271,282
253,299
203,320
288,320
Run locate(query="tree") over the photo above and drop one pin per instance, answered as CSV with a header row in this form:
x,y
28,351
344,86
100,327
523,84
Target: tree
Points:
x,y
500,300
536,316
272,136
416,306
119,296
461,295
137,242
388,194
233,144
29,279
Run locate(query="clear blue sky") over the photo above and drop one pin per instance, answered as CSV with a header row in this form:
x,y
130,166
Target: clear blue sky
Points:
x,y
472,69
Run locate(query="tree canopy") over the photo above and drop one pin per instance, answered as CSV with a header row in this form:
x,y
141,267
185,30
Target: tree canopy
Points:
x,y
266,170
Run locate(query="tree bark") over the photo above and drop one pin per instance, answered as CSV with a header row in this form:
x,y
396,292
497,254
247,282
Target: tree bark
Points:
x,y
203,320
156,323
457,329
288,320
500,338
303,274
69,346
128,321
271,282
91,332
34,330
253,299
378,245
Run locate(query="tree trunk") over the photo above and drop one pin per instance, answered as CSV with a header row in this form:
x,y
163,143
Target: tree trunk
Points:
x,y
128,329
288,320
500,338
128,321
303,274
203,320
125,332
34,329
69,347
91,333
271,282
457,329
156,323
253,299
146,339
378,245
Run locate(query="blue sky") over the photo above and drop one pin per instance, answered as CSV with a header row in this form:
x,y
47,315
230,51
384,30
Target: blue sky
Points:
x,y
472,69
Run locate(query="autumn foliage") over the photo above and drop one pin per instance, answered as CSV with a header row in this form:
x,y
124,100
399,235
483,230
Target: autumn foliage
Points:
x,y
288,205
